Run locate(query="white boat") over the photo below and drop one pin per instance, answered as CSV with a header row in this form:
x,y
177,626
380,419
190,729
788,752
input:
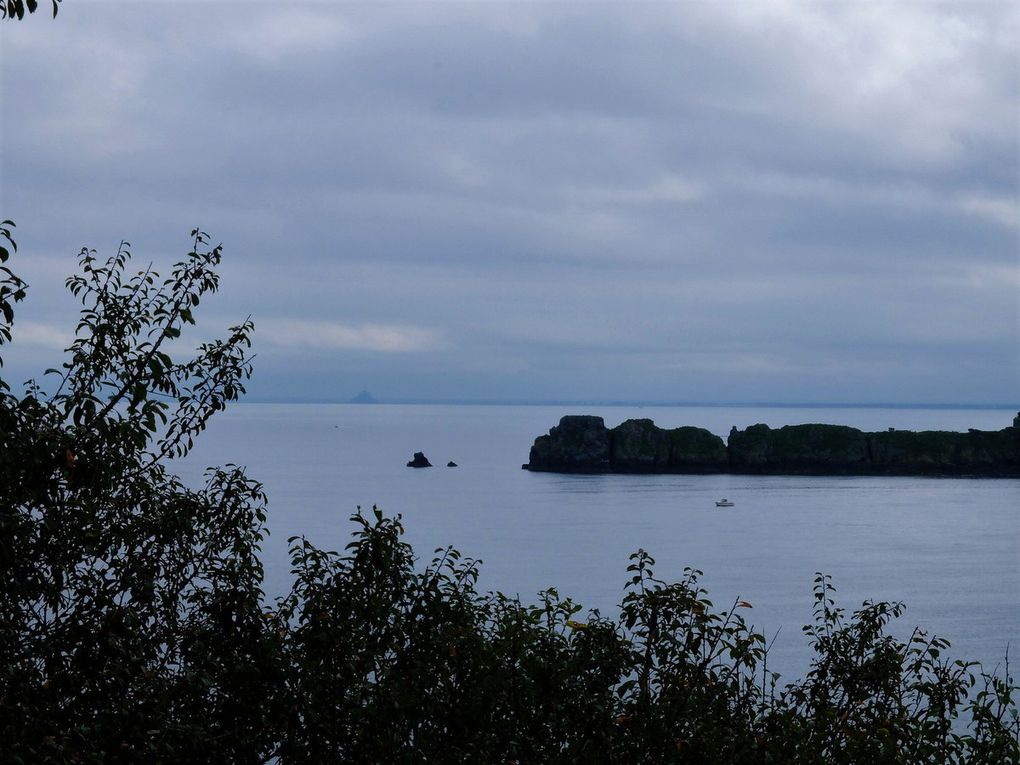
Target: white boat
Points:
x,y
723,503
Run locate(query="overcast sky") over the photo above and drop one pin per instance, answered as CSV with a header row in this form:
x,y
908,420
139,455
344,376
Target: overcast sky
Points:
x,y
691,201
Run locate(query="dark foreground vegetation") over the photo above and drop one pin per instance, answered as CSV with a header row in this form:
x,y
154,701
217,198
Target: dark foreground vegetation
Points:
x,y
133,626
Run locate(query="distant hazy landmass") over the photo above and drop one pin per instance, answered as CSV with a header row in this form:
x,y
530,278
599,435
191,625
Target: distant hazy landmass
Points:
x,y
699,404
364,398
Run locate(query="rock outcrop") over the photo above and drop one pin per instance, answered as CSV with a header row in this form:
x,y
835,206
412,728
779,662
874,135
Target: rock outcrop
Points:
x,y
976,452
638,446
583,444
419,461
798,449
579,444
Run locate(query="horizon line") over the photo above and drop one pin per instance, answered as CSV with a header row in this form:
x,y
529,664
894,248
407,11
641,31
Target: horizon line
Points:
x,y
625,403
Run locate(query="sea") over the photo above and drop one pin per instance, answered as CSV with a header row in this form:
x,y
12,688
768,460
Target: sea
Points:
x,y
949,548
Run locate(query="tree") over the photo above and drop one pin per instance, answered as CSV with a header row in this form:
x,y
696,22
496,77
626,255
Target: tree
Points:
x,y
16,9
128,602
12,288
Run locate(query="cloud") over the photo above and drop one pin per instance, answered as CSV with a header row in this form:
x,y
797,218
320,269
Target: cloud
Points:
x,y
916,81
294,31
38,335
325,335
574,192
1000,209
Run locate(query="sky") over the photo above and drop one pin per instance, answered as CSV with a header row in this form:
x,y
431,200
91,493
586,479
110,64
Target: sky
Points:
x,y
663,202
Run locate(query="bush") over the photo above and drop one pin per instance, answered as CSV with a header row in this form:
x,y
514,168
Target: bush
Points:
x,y
133,626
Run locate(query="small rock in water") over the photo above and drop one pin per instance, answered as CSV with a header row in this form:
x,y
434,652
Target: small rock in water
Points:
x,y
451,463
419,461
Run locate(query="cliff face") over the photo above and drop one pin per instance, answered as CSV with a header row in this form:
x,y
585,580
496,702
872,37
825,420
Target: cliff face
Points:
x,y
583,444
798,448
579,444
637,446
936,451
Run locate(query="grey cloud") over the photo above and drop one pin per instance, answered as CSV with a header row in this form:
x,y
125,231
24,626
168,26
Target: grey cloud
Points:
x,y
326,335
609,201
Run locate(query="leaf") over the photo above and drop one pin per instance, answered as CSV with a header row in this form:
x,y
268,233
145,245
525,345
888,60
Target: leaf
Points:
x,y
139,394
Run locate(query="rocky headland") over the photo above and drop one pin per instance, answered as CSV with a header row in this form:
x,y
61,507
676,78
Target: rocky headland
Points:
x,y
583,444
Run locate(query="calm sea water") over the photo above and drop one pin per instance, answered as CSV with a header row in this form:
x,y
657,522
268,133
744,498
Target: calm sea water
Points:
x,y
949,548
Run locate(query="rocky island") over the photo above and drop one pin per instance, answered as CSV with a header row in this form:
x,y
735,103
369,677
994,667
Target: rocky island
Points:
x,y
583,444
419,460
